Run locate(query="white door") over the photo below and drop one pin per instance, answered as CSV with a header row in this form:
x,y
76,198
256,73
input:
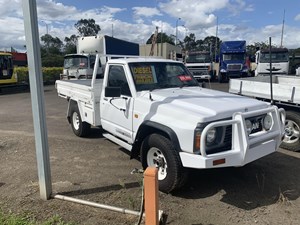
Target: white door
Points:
x,y
116,113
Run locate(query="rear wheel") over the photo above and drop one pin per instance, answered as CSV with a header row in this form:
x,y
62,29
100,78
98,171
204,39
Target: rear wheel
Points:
x,y
291,139
158,151
79,128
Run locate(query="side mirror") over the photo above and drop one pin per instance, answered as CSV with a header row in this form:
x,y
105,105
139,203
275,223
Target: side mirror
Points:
x,y
113,92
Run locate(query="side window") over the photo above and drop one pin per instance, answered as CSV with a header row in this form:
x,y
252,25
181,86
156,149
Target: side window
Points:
x,y
117,78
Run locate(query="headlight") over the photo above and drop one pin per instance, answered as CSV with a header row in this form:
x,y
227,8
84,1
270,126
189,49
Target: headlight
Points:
x,y
248,126
211,135
267,122
223,71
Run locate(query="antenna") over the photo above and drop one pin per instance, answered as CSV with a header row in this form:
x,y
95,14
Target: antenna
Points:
x,y
282,28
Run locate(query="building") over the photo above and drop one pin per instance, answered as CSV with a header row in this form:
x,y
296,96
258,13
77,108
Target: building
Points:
x,y
164,50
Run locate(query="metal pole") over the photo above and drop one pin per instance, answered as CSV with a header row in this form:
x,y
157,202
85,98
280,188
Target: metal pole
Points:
x,y
176,30
37,97
97,205
271,82
281,42
216,44
47,31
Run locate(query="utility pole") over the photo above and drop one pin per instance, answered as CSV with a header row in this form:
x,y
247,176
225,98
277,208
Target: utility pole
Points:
x,y
216,44
176,30
282,28
37,97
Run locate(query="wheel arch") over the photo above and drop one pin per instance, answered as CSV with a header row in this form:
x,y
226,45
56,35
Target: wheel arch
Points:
x,y
72,104
150,127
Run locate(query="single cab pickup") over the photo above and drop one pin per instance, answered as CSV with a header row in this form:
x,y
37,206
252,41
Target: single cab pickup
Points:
x,y
155,109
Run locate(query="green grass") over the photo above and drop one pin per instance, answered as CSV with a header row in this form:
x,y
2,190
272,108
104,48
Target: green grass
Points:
x,y
14,219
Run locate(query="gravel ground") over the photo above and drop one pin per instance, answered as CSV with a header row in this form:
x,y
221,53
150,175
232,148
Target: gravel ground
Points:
x,y
263,192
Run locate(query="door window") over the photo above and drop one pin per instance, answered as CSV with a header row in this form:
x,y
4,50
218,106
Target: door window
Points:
x,y
117,78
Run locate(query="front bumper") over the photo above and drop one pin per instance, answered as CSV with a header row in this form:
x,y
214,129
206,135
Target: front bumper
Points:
x,y
245,148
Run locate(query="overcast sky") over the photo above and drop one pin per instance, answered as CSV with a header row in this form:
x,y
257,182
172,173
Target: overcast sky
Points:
x,y
135,20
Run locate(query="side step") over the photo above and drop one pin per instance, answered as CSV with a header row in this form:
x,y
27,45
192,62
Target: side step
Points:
x,y
118,141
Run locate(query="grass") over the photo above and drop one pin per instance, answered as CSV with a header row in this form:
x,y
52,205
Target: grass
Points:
x,y
14,219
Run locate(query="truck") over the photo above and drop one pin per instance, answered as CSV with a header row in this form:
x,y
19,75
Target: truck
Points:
x,y
285,94
155,109
232,60
200,64
294,61
9,79
280,61
81,64
6,69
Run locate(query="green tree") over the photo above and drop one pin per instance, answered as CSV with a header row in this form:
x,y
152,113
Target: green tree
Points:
x,y
70,46
87,27
161,38
53,45
251,49
190,42
51,51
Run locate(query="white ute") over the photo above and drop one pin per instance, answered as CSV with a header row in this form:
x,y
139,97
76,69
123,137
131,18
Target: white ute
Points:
x,y
157,110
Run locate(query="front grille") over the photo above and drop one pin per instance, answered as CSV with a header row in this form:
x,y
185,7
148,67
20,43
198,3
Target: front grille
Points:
x,y
234,67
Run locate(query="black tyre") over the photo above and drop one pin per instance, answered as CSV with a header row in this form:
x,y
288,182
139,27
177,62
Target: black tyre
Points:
x,y
220,78
158,151
223,78
81,129
291,139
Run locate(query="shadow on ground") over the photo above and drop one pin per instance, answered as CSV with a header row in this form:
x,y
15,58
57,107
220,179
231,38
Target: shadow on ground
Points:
x,y
264,182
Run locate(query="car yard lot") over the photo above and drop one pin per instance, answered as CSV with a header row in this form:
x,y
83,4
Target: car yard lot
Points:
x,y
263,192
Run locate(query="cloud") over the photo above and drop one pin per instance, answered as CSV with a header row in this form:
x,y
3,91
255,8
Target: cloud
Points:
x,y
199,17
236,7
194,14
145,12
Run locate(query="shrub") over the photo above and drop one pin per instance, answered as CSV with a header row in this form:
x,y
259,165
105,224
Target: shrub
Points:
x,y
50,74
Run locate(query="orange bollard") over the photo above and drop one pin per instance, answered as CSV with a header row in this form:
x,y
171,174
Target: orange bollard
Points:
x,y
151,196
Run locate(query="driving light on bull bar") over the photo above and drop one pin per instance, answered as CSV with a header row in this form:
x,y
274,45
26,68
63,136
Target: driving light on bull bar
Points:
x,y
267,122
248,126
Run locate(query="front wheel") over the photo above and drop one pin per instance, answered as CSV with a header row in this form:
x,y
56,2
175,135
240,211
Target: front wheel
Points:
x,y
79,128
291,139
158,151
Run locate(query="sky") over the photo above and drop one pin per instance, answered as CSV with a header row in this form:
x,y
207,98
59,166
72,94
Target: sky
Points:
x,y
135,20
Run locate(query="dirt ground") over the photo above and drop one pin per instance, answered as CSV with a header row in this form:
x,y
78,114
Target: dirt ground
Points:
x,y
263,192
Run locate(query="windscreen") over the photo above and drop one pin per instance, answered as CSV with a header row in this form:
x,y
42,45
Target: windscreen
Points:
x,y
198,58
160,75
233,57
76,61
276,57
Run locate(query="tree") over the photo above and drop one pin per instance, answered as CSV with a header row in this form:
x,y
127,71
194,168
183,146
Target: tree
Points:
x,y
51,51
162,38
252,49
87,27
190,42
70,46
53,45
